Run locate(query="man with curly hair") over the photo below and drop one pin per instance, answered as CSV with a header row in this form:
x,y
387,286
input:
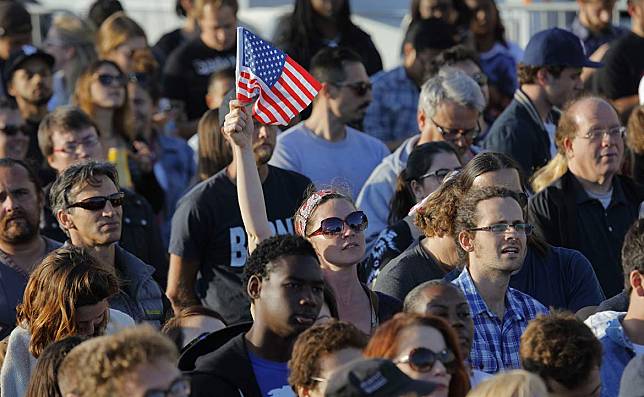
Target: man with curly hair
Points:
x,y
320,350
564,352
284,282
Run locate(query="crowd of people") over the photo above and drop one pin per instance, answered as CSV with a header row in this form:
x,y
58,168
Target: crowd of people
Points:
x,y
469,223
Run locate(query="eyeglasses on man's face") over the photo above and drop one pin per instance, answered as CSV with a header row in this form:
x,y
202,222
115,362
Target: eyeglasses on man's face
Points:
x,y
501,228
72,147
453,134
359,88
596,134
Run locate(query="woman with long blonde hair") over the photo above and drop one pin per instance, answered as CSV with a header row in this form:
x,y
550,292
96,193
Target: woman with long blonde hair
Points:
x,y
66,295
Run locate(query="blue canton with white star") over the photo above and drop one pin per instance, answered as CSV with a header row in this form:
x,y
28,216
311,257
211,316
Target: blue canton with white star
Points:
x,y
265,61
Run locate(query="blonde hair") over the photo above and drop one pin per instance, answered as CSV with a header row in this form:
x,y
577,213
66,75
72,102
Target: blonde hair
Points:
x,y
116,30
635,136
99,366
516,383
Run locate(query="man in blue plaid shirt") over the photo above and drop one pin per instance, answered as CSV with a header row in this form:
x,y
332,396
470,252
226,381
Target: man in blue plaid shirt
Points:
x,y
491,232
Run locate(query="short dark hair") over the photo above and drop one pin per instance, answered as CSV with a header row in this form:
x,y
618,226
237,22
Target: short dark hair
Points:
x,y
328,64
258,263
432,33
100,10
316,341
45,379
452,56
227,73
466,216
7,162
62,119
560,347
633,252
527,74
86,172
173,328
415,295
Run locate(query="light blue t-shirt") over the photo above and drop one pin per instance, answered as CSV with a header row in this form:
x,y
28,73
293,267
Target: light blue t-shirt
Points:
x,y
346,162
272,377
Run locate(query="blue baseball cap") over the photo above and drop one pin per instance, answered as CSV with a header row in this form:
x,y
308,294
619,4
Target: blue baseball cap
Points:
x,y
553,47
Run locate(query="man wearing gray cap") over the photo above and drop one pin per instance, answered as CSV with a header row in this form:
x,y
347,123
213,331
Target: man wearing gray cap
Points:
x,y
549,75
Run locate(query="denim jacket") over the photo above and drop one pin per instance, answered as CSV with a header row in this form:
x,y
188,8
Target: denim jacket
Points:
x,y
617,352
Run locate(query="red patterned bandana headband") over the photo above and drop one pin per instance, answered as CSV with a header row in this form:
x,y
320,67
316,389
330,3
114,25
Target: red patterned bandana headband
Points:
x,y
303,213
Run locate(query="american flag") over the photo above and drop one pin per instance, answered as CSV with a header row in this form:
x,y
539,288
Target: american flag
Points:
x,y
284,88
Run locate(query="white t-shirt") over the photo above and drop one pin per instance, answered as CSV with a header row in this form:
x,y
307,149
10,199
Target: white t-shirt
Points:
x,y
346,162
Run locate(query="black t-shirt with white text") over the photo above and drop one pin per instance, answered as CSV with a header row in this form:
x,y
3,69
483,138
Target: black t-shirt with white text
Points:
x,y
207,227
187,70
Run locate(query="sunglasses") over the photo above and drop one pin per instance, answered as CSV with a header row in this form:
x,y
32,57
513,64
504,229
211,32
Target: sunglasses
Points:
x,y
439,173
452,134
421,359
141,79
357,221
180,387
11,130
359,88
108,80
98,203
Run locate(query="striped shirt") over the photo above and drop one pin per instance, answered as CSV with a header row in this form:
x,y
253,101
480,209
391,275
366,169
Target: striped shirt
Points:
x,y
495,346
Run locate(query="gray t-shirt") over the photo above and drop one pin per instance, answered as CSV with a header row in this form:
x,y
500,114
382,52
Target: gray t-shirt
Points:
x,y
411,268
350,160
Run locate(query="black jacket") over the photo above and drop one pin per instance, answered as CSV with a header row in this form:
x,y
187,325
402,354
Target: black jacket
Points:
x,y
226,372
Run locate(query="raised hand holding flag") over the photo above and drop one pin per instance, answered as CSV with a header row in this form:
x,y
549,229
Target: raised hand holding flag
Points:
x,y
282,87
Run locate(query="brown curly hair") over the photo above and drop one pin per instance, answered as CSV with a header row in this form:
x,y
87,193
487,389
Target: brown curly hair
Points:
x,y
436,217
558,346
316,341
384,344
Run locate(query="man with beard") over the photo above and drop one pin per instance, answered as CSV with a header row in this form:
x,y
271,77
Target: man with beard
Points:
x,y
88,205
208,238
284,281
324,147
491,233
28,75
21,245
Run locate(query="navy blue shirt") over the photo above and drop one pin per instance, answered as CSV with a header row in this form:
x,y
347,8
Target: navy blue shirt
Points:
x,y
563,279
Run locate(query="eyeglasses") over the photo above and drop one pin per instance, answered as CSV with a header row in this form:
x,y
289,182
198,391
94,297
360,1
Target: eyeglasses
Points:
x,y
452,134
480,78
11,130
71,147
598,133
357,221
500,228
141,79
359,88
317,379
421,359
179,388
98,203
440,173
108,80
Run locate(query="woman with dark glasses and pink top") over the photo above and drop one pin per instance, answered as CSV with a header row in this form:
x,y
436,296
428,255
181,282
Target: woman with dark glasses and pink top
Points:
x,y
327,218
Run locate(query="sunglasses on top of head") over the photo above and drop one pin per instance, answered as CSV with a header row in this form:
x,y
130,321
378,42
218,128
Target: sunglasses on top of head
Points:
x,y
98,203
421,359
109,80
357,221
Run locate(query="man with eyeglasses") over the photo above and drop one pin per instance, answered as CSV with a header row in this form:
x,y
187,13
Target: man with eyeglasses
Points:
x,y
491,234
549,75
28,75
88,204
67,136
14,141
589,206
324,147
22,247
391,116
448,110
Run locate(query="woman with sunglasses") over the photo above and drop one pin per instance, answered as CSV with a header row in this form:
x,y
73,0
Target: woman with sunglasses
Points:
x,y
425,348
426,167
327,218
101,93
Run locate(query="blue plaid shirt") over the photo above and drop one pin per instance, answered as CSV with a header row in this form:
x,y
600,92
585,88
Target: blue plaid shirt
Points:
x,y
392,113
496,343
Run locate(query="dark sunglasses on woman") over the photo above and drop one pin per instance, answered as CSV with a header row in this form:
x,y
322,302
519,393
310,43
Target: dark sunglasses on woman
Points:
x,y
357,221
109,80
421,359
98,203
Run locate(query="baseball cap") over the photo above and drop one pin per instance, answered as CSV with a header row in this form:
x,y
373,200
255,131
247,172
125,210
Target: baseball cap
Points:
x,y
24,53
14,19
374,378
632,384
556,46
